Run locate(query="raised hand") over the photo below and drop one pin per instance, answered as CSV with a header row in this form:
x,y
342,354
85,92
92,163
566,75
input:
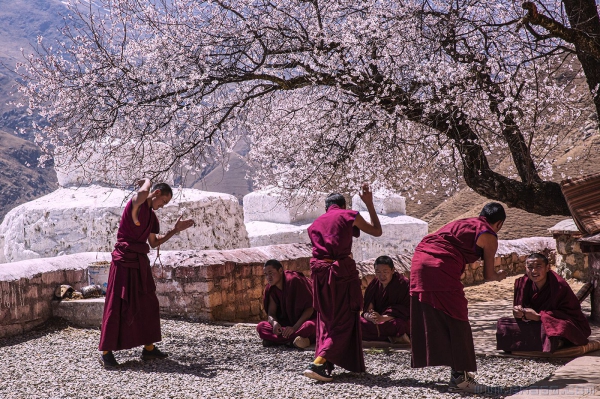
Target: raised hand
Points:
x,y
181,225
365,194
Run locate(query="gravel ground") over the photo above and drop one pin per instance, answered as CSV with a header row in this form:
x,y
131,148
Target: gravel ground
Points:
x,y
216,361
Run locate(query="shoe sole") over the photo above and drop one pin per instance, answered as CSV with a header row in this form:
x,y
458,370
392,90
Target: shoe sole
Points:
x,y
107,366
311,374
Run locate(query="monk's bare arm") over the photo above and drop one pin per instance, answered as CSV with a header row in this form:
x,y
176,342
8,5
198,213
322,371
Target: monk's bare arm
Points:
x,y
489,243
154,240
373,228
139,197
142,193
272,312
308,312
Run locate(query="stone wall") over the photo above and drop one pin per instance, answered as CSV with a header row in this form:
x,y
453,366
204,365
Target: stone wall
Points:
x,y
571,262
221,285
27,288
197,285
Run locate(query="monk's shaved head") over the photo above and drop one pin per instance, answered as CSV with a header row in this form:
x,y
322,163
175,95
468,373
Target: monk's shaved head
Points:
x,y
164,188
493,212
335,199
384,260
539,256
274,263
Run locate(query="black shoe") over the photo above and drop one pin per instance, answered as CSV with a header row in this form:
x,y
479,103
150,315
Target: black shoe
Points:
x,y
153,354
319,372
108,361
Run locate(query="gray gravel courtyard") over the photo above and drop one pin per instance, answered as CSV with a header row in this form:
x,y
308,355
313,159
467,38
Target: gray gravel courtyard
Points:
x,y
217,361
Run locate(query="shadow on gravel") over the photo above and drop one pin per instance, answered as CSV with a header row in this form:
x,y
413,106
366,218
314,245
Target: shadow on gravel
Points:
x,y
383,380
204,370
50,326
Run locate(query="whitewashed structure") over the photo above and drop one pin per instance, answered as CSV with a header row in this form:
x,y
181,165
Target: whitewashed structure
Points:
x,y
270,221
85,219
401,233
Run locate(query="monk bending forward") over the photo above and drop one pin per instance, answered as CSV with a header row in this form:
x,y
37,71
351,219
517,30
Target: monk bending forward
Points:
x,y
547,314
386,308
131,313
288,302
440,332
337,296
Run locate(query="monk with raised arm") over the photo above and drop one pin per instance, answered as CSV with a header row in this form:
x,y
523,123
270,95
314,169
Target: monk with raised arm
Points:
x,y
131,313
337,295
440,332
547,314
386,310
288,302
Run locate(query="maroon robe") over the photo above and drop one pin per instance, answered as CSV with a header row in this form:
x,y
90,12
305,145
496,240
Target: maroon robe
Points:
x,y
394,301
561,317
337,295
291,302
437,292
131,312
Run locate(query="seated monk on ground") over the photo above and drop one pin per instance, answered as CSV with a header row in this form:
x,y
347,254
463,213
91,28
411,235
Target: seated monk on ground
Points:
x,y
288,302
386,309
547,314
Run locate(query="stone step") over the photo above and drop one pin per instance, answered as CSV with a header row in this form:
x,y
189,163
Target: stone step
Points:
x,y
80,312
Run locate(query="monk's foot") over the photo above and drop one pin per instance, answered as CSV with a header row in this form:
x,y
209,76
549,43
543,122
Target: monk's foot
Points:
x,y
108,360
155,353
301,342
404,339
318,372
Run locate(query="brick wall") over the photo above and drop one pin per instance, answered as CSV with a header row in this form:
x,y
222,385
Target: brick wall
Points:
x,y
221,285
27,288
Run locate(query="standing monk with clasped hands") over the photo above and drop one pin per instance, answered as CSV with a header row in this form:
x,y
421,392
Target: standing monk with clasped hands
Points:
x,y
131,313
337,295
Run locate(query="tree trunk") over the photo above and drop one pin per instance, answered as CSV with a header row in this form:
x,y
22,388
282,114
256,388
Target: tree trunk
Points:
x,y
583,16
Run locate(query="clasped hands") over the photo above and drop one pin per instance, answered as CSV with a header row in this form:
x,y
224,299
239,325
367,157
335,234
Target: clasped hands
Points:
x,y
375,317
525,314
285,332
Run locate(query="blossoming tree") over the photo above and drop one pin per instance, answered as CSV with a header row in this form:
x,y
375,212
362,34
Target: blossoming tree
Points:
x,y
330,93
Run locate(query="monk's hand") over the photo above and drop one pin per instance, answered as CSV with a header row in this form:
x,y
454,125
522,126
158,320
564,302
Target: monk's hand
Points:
x,y
277,330
365,194
141,182
518,312
287,331
377,318
530,314
181,225
501,274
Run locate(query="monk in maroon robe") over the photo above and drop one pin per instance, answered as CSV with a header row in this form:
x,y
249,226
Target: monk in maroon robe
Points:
x,y
439,324
131,313
386,308
547,314
288,302
337,296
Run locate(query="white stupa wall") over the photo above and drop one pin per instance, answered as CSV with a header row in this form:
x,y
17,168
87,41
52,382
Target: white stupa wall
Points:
x,y
385,203
401,235
86,219
270,206
262,234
